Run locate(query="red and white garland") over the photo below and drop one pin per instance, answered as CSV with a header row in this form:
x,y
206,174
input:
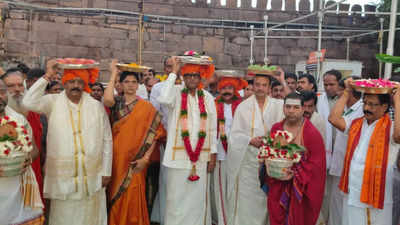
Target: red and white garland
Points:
x,y
221,119
277,146
193,155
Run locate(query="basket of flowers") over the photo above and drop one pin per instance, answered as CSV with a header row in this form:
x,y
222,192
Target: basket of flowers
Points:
x,y
77,63
279,154
15,147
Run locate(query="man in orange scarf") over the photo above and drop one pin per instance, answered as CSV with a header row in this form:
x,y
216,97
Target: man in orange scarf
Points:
x,y
228,86
372,147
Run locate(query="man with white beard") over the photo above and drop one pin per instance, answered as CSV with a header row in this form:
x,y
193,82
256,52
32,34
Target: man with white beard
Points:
x,y
14,80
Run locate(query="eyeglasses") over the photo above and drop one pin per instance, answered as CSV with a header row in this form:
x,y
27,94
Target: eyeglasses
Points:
x,y
372,105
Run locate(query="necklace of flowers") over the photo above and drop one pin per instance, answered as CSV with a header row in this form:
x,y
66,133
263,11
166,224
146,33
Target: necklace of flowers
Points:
x,y
221,119
193,155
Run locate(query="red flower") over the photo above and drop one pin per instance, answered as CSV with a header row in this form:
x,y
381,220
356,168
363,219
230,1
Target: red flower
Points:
x,y
273,135
7,151
193,177
6,118
284,152
13,123
294,156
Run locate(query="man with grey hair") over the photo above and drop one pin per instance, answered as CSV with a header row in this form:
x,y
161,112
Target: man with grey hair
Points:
x,y
14,80
13,209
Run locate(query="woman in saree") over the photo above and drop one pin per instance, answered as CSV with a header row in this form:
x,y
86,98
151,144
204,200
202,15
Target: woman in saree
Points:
x,y
136,127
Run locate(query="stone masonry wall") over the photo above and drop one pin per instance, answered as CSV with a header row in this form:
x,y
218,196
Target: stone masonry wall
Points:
x,y
34,36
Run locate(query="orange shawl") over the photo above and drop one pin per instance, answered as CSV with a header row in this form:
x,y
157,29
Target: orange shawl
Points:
x,y
373,187
132,137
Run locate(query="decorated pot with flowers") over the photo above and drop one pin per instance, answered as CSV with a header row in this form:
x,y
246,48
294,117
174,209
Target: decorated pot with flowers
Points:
x,y
15,147
279,154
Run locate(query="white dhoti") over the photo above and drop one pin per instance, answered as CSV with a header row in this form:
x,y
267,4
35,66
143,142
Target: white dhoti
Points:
x,y
366,216
220,195
336,202
12,209
188,201
87,211
158,211
248,202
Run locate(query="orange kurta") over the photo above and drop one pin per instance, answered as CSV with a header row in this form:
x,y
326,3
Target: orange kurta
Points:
x,y
129,136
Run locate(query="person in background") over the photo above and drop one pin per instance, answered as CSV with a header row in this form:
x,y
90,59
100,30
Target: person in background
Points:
x,y
97,91
306,82
32,76
277,90
291,80
150,73
249,90
310,105
54,87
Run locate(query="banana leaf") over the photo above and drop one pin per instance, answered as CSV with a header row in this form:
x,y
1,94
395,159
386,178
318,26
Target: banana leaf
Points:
x,y
388,58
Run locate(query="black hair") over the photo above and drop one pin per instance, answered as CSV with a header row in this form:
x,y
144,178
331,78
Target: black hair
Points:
x,y
11,71
52,84
309,95
290,75
383,99
395,78
250,82
124,74
35,73
265,76
356,94
310,79
97,84
295,95
23,68
336,73
341,83
275,83
152,71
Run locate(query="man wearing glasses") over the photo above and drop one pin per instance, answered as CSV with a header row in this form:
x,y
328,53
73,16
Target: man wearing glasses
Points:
x,y
372,149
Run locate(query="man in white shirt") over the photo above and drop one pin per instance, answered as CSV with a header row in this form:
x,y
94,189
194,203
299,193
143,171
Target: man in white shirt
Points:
x,y
228,86
79,149
191,148
158,212
253,119
372,149
310,102
353,110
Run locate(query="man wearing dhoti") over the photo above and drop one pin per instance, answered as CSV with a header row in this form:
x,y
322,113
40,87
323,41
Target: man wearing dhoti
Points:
x,y
191,145
253,119
136,127
229,84
372,149
158,211
352,111
79,143
19,195
297,198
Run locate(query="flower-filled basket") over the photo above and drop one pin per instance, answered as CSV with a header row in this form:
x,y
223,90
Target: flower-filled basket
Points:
x,y
15,146
279,154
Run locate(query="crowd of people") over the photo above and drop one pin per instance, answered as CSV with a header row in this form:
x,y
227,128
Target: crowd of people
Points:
x,y
182,148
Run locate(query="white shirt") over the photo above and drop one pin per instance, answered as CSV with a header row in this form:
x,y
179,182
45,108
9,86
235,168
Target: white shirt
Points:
x,y
154,95
339,149
319,123
175,154
357,166
228,123
142,92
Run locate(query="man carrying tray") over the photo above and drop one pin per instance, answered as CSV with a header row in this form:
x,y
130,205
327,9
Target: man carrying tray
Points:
x,y
372,149
253,119
191,148
297,198
79,143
